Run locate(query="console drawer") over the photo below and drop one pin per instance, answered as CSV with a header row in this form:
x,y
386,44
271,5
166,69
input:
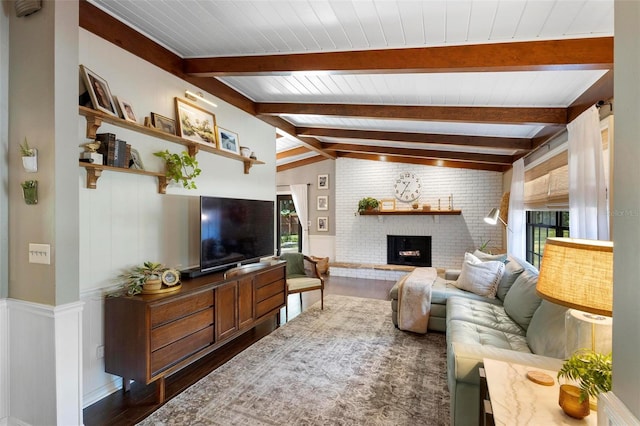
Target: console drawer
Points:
x,y
176,330
269,290
268,277
269,304
176,351
174,309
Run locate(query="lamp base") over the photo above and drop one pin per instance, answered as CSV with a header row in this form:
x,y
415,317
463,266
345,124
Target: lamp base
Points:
x,y
587,331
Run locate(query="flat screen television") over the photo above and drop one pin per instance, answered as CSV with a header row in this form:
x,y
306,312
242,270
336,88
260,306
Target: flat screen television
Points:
x,y
234,231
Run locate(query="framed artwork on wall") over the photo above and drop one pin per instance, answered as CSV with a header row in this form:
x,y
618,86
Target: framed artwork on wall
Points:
x,y
323,181
126,110
323,224
195,123
387,205
323,202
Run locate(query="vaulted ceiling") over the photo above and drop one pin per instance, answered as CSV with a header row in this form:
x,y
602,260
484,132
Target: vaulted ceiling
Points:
x,y
457,83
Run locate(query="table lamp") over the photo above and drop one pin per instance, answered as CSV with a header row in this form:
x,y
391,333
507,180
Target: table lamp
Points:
x,y
501,213
578,274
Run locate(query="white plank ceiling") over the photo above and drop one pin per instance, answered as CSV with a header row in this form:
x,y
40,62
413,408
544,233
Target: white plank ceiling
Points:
x,y
212,29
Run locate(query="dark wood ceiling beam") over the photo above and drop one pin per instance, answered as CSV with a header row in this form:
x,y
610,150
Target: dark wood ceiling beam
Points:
x,y
523,144
460,114
426,162
567,54
601,90
422,153
301,150
300,163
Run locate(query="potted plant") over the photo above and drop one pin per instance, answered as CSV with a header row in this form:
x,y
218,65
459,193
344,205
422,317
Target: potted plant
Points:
x,y
147,277
181,168
591,370
29,157
367,203
30,191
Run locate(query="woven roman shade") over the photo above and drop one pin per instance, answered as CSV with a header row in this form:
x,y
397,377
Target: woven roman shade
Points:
x,y
547,184
578,273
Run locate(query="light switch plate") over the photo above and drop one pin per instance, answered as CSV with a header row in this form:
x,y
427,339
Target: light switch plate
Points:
x,y
40,253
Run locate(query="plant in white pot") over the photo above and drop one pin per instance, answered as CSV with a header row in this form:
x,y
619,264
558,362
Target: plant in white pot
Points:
x,y
29,157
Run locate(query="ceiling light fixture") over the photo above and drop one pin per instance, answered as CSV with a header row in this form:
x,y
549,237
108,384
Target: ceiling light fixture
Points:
x,y
198,97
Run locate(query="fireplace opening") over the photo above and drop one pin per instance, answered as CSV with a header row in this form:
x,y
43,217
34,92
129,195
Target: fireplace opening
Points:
x,y
410,250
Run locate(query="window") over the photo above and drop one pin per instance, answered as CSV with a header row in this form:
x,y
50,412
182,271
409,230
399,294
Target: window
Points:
x,y
540,226
289,229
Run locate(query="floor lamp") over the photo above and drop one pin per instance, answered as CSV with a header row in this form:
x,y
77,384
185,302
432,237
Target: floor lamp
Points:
x,y
579,274
500,214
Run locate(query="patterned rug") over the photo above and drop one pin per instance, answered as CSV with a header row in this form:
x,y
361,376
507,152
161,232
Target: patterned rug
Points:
x,y
345,365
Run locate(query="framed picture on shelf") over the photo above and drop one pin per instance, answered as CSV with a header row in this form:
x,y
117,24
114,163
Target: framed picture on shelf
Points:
x,y
323,181
387,205
194,122
228,141
323,202
126,110
136,160
98,91
166,124
323,224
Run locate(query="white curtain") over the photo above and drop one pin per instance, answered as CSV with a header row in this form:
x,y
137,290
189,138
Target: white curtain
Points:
x,y
516,232
588,209
300,200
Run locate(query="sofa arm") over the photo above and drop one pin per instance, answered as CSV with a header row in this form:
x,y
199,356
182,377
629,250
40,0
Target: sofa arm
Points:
x,y
464,360
452,274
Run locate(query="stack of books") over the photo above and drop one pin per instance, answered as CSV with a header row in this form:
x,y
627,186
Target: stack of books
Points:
x,y
115,152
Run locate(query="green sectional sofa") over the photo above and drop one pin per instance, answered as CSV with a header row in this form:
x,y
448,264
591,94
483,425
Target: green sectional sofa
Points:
x,y
515,326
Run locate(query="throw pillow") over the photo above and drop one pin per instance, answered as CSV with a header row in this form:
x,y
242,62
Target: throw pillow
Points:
x,y
484,257
546,334
512,270
481,278
295,263
521,300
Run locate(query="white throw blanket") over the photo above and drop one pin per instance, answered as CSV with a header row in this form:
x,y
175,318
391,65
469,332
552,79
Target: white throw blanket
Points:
x,y
414,299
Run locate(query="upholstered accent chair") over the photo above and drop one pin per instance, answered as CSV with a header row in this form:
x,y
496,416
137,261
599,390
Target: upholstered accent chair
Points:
x,y
302,275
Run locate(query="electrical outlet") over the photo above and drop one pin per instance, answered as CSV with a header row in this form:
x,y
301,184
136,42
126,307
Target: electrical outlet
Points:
x,y
40,253
100,352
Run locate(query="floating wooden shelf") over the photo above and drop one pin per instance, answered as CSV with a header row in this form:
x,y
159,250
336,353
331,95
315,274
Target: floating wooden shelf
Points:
x,y
411,212
94,171
96,118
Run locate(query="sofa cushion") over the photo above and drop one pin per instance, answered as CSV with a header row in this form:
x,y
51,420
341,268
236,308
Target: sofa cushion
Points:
x,y
442,290
546,332
463,332
479,277
481,313
521,300
512,270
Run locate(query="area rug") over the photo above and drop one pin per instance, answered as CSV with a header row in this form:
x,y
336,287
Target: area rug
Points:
x,y
346,365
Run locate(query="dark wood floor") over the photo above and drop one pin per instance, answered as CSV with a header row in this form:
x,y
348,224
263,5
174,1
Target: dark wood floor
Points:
x,y
131,407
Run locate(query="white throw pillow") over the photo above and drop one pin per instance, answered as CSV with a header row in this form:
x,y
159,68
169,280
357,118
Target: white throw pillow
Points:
x,y
481,278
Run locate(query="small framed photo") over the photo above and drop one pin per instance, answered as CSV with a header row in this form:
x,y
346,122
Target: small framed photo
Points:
x,y
387,205
136,160
126,110
98,91
194,122
166,124
228,141
323,202
323,224
323,181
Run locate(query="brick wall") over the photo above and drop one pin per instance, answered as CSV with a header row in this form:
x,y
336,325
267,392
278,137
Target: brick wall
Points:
x,y
362,239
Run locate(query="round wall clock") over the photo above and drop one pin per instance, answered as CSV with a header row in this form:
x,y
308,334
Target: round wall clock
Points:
x,y
407,187
170,277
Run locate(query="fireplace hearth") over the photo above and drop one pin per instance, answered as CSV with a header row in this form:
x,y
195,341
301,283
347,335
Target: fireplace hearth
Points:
x,y
410,250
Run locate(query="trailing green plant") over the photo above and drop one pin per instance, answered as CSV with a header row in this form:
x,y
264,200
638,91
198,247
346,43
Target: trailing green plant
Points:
x,y
591,370
26,150
135,277
181,168
367,203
